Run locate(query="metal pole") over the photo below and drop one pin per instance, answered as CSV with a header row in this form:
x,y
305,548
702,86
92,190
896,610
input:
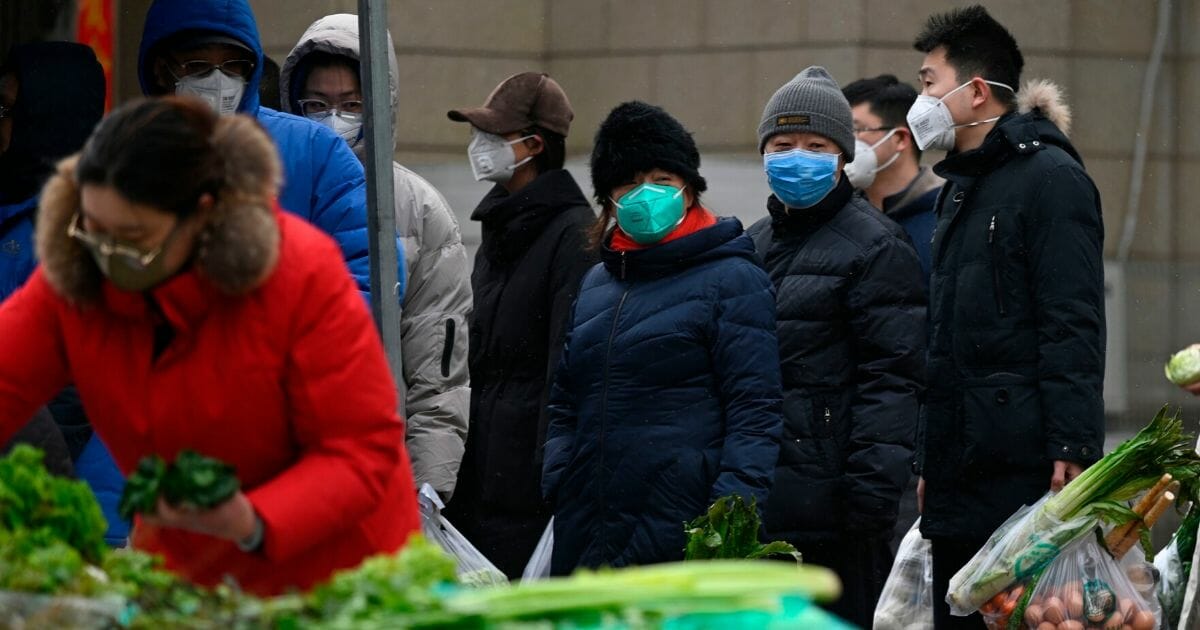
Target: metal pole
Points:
x,y
381,217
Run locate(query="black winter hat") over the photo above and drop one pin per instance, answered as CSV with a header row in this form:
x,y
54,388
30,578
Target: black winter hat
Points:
x,y
637,137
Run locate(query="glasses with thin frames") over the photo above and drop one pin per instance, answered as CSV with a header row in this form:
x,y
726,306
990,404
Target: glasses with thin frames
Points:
x,y
198,67
108,246
318,109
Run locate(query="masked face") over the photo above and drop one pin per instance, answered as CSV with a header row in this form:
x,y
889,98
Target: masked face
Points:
x,y
861,172
649,212
222,92
933,125
492,157
333,98
800,178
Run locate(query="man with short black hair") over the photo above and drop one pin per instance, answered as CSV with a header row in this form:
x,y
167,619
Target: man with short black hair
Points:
x,y
1016,348
887,166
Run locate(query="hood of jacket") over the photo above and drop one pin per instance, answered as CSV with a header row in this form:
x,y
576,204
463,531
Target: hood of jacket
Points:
x,y
232,18
901,205
1037,124
236,251
337,35
721,240
60,98
511,222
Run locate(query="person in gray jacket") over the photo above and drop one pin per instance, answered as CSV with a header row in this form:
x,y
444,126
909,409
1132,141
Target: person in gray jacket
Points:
x,y
320,80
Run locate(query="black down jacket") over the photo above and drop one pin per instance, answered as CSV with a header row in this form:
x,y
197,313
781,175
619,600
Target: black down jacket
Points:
x,y
851,324
667,398
527,272
1016,357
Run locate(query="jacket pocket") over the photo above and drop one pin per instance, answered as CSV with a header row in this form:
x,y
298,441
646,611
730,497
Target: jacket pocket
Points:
x,y
448,348
1002,423
993,251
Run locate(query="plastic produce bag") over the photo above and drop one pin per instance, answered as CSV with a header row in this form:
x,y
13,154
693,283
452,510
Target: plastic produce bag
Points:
x,y
1085,588
907,599
1028,541
538,567
474,569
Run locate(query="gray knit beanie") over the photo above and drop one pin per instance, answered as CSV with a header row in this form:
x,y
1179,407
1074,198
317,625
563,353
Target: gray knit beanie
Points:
x,y
812,101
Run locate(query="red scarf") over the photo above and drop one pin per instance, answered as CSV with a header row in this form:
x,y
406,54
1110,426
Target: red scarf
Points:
x,y
696,219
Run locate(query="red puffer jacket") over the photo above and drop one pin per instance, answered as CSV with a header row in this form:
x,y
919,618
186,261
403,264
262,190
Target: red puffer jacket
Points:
x,y
286,380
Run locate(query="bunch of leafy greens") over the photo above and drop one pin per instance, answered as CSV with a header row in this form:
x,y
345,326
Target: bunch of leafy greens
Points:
x,y
32,500
729,530
193,480
1183,368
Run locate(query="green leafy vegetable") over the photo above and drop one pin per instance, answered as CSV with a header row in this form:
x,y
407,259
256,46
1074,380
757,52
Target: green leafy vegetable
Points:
x,y
192,479
31,499
729,530
1183,368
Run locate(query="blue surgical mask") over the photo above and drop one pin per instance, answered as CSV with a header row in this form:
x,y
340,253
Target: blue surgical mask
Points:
x,y
649,212
800,178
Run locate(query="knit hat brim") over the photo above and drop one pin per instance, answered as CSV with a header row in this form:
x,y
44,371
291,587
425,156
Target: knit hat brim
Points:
x,y
636,138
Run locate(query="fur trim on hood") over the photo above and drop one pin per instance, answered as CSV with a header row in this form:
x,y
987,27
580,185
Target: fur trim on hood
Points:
x,y
236,251
1047,97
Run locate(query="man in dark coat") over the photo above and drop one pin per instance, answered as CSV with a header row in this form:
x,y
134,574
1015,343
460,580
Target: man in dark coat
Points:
x,y
851,326
527,273
1016,351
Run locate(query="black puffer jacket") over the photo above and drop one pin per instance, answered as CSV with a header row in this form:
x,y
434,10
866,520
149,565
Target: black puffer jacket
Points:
x,y
851,325
527,273
1016,357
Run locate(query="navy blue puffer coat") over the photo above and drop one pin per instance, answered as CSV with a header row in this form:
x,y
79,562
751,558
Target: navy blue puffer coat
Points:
x,y
667,397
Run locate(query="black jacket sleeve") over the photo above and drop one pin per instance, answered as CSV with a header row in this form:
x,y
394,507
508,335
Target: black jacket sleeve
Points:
x,y
1067,277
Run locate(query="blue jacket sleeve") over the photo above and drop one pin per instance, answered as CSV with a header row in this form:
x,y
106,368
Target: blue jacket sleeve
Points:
x,y
745,354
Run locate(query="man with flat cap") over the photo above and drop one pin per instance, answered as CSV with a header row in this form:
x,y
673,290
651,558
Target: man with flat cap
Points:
x,y
531,259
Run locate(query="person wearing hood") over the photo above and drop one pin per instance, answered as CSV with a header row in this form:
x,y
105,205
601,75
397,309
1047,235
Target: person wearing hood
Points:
x,y
193,313
1016,347
887,163
531,258
851,332
321,80
210,49
51,97
667,396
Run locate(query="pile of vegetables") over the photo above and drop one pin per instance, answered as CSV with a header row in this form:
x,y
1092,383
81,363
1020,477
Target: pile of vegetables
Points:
x,y
1025,545
729,530
192,480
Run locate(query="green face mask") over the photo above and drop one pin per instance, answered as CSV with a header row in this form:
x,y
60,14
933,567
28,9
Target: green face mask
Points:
x,y
649,212
127,267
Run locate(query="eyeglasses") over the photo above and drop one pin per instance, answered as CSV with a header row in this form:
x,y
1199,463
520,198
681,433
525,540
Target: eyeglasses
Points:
x,y
861,130
318,109
108,246
198,67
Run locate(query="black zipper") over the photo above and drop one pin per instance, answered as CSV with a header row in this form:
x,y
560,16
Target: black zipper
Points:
x,y
448,348
604,400
996,288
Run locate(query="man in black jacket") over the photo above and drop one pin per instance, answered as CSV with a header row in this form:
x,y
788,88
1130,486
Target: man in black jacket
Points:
x,y
527,272
1016,354
851,327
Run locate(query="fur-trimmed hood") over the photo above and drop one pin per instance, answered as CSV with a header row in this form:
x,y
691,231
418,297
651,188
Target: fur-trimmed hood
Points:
x,y
237,249
1046,97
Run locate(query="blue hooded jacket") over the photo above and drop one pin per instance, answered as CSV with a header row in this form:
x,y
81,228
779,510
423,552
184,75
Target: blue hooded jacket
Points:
x,y
17,258
323,180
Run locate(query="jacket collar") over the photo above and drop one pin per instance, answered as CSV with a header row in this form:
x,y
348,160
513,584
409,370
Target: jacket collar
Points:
x,y
805,219
718,241
1015,134
512,222
900,205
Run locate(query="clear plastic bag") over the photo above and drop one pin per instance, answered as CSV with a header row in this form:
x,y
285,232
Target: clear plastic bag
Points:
x,y
538,567
907,599
1172,583
1028,541
474,569
1085,588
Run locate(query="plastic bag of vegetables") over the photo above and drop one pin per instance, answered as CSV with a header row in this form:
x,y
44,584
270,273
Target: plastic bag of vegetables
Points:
x,y
538,567
906,602
1174,564
474,569
1085,588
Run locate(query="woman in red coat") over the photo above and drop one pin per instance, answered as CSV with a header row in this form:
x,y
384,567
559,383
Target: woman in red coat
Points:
x,y
191,313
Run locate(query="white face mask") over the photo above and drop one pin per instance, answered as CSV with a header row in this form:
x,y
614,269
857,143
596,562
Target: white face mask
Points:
x,y
350,129
861,172
492,157
932,125
222,92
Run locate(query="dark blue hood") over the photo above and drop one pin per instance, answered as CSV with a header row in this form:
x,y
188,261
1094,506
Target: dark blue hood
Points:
x,y
233,18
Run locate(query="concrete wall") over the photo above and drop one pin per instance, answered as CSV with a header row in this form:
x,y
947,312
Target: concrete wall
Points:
x,y
714,63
